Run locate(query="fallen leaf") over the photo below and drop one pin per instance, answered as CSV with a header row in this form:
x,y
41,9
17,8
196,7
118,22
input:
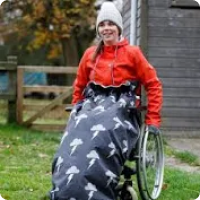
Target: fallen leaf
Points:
x,y
164,186
41,155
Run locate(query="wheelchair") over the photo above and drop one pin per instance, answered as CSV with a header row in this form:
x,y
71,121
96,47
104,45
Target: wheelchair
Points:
x,y
149,158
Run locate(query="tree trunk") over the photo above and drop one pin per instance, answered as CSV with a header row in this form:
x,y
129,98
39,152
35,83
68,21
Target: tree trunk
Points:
x,y
71,58
70,51
70,54
73,48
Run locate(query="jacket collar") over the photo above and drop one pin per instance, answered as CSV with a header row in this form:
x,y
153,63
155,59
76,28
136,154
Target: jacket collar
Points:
x,y
121,43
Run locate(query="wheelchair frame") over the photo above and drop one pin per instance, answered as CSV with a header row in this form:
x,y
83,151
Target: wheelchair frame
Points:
x,y
149,154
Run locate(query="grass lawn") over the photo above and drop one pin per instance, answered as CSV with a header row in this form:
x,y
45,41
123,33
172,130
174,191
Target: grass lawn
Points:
x,y
25,162
25,167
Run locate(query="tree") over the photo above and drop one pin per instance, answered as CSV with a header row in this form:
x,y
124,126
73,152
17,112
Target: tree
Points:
x,y
62,25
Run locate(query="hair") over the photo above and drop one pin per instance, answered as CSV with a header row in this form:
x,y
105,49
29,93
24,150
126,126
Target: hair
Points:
x,y
98,50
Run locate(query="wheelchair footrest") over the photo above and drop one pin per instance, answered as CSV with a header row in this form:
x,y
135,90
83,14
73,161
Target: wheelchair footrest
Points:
x,y
128,172
125,193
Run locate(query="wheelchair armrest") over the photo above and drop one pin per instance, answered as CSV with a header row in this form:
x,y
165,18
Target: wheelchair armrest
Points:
x,y
69,108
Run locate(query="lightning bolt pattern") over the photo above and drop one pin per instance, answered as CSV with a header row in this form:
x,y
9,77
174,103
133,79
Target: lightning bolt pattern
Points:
x,y
90,147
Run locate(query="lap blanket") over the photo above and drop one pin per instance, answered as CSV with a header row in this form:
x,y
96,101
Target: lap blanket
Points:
x,y
99,137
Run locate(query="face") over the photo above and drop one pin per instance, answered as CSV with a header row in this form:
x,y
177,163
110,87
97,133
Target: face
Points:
x,y
109,32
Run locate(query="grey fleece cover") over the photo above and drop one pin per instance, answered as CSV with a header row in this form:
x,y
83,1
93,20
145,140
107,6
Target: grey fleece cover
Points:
x,y
99,137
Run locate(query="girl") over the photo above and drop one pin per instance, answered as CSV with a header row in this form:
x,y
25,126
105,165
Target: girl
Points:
x,y
103,127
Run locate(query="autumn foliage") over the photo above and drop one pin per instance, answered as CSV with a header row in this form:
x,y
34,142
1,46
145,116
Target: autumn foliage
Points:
x,y
52,22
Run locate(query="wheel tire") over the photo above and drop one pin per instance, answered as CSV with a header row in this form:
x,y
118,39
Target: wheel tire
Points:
x,y
143,162
132,193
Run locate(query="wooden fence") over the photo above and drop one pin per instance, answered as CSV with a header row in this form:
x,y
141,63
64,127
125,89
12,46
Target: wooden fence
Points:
x,y
63,91
10,94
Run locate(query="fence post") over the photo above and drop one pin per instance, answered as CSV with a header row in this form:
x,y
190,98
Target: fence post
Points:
x,y
20,95
12,103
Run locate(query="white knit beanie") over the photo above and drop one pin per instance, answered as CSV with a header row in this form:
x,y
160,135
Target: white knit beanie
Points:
x,y
109,12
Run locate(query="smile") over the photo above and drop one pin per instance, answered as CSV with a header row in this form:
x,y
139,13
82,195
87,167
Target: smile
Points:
x,y
107,34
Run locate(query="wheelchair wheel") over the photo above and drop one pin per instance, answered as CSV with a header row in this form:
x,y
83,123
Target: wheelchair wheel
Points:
x,y
126,192
150,164
132,192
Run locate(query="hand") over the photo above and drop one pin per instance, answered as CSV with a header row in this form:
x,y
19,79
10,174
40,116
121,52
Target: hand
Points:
x,y
153,129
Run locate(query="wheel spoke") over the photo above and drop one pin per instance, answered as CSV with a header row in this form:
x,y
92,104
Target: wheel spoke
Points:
x,y
150,165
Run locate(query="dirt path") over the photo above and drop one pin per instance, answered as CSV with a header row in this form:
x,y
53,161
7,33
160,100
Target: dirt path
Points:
x,y
180,144
176,163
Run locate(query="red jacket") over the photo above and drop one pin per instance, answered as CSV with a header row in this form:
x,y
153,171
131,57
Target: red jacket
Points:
x,y
115,65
